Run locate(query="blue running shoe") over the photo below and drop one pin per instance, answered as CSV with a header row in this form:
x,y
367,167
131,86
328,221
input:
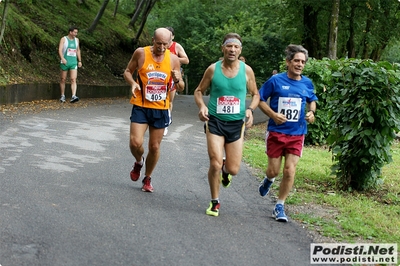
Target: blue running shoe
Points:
x,y
279,213
264,187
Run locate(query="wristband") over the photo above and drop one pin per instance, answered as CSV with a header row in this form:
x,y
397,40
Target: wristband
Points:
x,y
251,109
312,111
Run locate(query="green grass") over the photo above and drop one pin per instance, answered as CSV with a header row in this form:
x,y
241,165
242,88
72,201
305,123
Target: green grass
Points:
x,y
371,216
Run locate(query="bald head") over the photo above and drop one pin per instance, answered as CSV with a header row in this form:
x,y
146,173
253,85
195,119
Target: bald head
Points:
x,y
162,32
161,40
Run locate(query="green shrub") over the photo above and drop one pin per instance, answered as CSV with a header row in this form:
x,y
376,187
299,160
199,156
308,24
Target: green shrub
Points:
x,y
364,109
320,73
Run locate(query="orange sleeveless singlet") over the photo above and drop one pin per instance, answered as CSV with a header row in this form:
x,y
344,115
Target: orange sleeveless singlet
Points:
x,y
153,79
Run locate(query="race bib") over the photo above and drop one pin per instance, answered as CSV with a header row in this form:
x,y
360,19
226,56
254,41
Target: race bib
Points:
x,y
290,107
228,105
155,93
71,52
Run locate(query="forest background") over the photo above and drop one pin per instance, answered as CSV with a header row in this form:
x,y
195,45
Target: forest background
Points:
x,y
110,30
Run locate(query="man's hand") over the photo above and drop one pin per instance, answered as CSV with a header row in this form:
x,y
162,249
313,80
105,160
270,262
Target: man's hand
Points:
x,y
135,87
279,118
203,114
310,117
176,75
249,118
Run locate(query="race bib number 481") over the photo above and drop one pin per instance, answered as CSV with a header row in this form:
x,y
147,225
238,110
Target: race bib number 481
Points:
x,y
228,105
290,107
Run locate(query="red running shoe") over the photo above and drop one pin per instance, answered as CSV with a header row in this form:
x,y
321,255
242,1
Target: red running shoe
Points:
x,y
135,172
147,187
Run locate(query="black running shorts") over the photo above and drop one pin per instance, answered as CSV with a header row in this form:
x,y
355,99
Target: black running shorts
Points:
x,y
230,130
153,117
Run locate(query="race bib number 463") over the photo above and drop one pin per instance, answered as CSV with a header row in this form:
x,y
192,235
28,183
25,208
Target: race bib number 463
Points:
x,y
290,107
228,105
71,52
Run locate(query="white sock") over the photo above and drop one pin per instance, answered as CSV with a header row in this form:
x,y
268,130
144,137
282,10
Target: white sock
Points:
x,y
270,179
280,202
224,170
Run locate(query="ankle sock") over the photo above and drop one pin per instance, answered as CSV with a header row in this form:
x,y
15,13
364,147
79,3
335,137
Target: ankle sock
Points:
x,y
224,170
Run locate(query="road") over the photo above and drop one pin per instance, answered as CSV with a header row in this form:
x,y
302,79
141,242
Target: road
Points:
x,y
66,197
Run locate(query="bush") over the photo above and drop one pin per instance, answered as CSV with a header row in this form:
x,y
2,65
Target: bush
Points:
x,y
364,109
320,73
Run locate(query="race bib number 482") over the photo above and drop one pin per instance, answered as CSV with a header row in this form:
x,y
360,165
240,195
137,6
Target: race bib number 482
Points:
x,y
228,105
290,107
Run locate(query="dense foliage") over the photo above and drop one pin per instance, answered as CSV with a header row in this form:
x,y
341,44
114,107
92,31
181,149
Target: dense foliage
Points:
x,y
366,29
357,116
364,106
29,50
320,73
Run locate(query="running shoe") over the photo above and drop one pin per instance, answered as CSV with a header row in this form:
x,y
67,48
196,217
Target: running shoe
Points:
x,y
147,187
135,172
62,99
225,177
264,187
279,213
213,209
74,99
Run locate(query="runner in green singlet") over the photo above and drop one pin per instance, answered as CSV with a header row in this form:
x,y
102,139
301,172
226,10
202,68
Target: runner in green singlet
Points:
x,y
70,59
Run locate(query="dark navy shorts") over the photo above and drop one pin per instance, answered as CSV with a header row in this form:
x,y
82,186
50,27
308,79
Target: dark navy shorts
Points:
x,y
153,117
230,130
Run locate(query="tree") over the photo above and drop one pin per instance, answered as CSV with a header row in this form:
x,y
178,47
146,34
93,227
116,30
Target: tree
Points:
x,y
116,8
332,53
143,8
311,37
350,45
365,110
3,21
98,17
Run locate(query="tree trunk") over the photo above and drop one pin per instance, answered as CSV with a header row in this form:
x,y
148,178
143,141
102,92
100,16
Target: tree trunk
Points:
x,y
3,21
116,8
138,10
98,17
149,6
365,43
310,38
333,31
351,51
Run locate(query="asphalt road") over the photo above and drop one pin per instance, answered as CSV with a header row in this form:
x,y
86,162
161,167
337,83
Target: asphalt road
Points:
x,y
66,197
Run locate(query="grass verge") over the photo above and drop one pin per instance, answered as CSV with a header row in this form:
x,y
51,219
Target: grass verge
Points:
x,y
347,217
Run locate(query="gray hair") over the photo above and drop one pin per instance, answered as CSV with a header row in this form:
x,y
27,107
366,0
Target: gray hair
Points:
x,y
293,49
